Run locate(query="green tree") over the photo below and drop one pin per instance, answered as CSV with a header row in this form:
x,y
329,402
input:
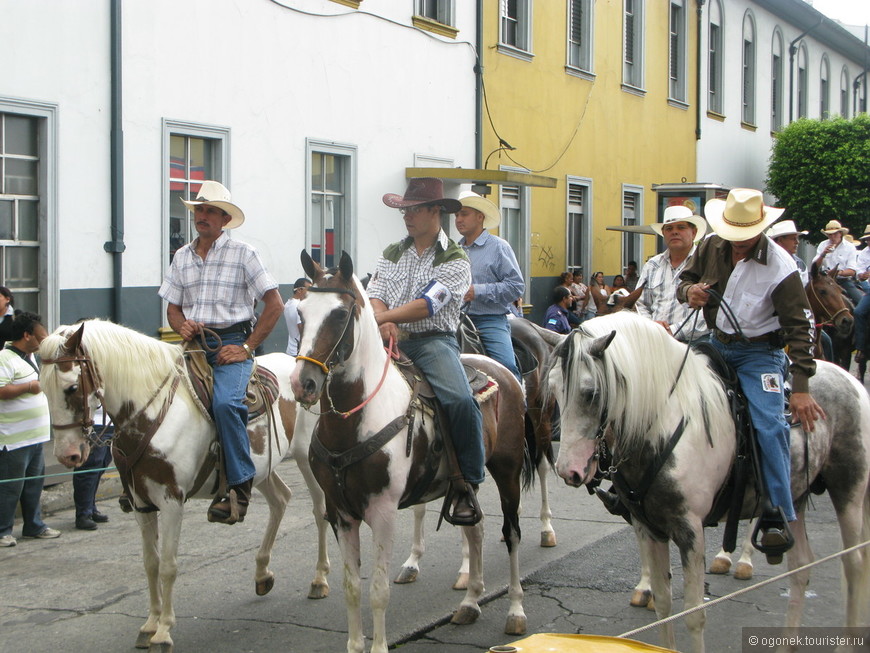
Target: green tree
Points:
x,y
820,171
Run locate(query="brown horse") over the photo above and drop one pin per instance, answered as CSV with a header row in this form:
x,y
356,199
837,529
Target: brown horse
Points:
x,y
616,301
375,447
833,312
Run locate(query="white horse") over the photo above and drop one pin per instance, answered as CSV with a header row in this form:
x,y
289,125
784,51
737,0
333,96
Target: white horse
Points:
x,y
166,436
620,375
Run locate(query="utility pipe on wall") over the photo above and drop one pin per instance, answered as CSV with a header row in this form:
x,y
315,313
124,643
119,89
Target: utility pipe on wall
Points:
x,y
116,246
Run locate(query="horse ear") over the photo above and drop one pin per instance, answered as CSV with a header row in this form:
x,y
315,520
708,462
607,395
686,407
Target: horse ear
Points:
x,y
598,345
74,341
312,269
833,272
345,265
632,297
814,269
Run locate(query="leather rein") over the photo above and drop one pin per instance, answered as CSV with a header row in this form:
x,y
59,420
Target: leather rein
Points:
x,y
830,318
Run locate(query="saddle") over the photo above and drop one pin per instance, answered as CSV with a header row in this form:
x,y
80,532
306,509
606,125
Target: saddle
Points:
x,y
469,340
527,362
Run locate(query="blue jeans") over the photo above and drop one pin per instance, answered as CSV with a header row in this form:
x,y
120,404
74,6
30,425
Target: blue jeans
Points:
x,y
495,334
85,484
438,358
753,363
20,463
230,412
862,314
851,288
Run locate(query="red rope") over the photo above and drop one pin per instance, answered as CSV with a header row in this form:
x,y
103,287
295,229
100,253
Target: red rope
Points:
x,y
392,354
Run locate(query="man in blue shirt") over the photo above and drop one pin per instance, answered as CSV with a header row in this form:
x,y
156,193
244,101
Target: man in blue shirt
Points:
x,y
496,280
556,318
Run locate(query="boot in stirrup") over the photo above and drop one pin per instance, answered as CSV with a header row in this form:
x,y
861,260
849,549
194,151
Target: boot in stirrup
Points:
x,y
233,507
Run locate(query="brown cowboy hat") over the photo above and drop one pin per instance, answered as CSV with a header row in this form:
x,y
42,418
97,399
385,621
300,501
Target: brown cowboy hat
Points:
x,y
421,191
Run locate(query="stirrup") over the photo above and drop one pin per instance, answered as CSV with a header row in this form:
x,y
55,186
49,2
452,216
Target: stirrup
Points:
x,y
125,503
451,517
612,503
776,536
237,509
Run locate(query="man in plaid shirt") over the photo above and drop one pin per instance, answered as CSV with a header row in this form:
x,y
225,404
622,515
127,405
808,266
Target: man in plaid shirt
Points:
x,y
418,286
215,282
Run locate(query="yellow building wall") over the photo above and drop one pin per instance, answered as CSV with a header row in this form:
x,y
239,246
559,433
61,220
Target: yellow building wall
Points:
x,y
563,125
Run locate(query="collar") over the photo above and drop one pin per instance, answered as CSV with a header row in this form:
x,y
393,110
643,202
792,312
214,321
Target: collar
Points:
x,y
758,253
441,241
480,241
220,243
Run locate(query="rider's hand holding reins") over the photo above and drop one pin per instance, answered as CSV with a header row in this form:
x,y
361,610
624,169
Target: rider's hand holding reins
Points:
x,y
805,409
697,295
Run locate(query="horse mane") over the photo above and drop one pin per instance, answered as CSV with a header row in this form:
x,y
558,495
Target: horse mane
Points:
x,y
634,377
124,357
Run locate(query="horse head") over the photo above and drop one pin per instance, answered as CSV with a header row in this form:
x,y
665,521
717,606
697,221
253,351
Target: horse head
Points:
x,y
72,387
329,313
828,302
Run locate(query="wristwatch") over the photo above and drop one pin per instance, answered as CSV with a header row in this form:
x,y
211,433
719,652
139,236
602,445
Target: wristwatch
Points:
x,y
247,350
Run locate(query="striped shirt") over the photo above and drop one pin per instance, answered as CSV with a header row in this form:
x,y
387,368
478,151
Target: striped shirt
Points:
x,y
659,298
495,275
401,276
220,290
24,420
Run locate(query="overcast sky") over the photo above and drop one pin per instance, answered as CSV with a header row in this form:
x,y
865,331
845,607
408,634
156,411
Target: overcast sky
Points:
x,y
851,12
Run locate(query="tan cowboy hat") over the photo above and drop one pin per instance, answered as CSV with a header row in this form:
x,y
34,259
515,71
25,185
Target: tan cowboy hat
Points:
x,y
213,193
834,226
680,213
742,215
850,239
420,191
491,214
785,228
866,233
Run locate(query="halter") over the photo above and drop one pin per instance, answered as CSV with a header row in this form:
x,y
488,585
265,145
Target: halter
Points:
x,y
325,366
829,319
89,382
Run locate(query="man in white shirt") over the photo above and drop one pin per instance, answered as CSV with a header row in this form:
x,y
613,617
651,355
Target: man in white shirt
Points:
x,y
837,252
291,314
862,309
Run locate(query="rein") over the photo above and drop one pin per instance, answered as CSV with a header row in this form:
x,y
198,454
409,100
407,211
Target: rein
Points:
x,y
830,318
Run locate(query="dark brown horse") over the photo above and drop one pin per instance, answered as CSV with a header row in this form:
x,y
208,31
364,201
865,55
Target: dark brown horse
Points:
x,y
375,442
833,313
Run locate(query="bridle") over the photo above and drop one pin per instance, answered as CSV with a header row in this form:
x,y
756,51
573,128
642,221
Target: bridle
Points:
x,y
89,383
830,318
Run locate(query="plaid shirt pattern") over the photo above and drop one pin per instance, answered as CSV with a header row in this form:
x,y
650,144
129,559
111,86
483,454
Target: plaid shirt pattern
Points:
x,y
659,302
397,282
220,290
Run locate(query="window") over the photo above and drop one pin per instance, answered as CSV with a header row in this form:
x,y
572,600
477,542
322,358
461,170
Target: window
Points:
x,y
776,81
193,154
515,27
677,52
437,10
331,189
515,227
632,212
824,89
632,64
844,92
714,55
748,115
580,34
579,223
802,82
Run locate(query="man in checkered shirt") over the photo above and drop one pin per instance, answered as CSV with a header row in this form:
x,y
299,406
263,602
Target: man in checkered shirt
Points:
x,y
215,282
418,287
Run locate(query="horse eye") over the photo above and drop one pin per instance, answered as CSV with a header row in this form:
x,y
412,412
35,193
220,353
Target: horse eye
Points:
x,y
588,395
342,313
71,390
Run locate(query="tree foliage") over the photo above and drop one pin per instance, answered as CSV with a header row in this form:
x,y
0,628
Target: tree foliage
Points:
x,y
820,171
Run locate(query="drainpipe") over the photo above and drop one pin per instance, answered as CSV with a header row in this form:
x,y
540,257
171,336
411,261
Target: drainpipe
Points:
x,y
478,87
699,55
116,246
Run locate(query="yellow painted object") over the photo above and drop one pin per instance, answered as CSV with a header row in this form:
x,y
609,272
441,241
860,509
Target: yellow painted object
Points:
x,y
556,643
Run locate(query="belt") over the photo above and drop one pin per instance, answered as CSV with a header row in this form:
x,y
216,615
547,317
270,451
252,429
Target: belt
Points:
x,y
772,338
428,334
238,327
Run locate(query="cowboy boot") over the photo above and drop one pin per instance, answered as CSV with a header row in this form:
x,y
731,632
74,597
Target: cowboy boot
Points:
x,y
466,510
612,503
233,507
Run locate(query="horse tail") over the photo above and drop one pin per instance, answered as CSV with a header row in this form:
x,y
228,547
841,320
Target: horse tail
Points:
x,y
528,473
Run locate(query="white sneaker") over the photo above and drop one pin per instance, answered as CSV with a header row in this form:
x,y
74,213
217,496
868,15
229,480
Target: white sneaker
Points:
x,y
45,534
8,540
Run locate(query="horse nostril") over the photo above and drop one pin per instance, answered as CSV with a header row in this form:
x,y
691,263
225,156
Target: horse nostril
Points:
x,y
308,386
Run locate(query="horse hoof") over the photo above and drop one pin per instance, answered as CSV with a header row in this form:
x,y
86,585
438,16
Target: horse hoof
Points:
x,y
465,615
641,598
548,539
407,575
743,571
516,625
318,591
162,647
651,606
265,586
461,582
143,640
720,565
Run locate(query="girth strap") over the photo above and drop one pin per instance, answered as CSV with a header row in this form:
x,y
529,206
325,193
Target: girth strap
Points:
x,y
338,461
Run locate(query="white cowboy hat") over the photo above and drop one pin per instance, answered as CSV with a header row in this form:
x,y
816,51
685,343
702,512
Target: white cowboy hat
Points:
x,y
213,193
833,227
785,228
680,213
742,215
866,233
491,214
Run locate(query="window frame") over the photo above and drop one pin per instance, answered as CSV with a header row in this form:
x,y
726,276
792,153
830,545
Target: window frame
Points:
x,y
584,65
825,87
350,180
585,255
633,73
634,239
749,74
522,203
522,49
677,72
777,72
803,81
715,83
845,90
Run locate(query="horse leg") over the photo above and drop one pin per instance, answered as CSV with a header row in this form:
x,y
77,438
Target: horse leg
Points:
x,y
642,596
516,619
469,609
277,496
148,526
692,556
744,569
348,542
548,535
383,524
411,567
319,588
660,582
462,577
853,515
799,555
170,517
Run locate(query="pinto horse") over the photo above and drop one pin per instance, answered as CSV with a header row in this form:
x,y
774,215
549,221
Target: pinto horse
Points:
x,y
375,443
142,385
627,385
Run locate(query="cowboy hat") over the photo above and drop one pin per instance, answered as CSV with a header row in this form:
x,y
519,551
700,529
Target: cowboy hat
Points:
x,y
850,239
742,215
491,215
420,191
866,233
213,193
680,213
785,228
834,226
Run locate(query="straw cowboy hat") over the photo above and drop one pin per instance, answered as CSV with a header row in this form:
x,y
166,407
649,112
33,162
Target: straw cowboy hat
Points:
x,y
833,227
491,214
785,228
680,213
213,193
420,191
866,233
741,216
851,239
